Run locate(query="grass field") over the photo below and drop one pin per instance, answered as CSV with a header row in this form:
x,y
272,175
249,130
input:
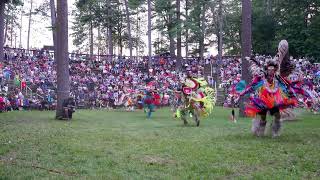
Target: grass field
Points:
x,y
124,145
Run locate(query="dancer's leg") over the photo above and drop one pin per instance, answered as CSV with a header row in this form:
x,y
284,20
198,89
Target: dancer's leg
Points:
x,y
150,107
195,116
276,125
233,116
183,116
259,124
149,114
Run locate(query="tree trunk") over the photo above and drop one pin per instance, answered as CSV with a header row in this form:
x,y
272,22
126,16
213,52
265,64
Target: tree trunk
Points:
x,y
6,32
99,41
120,38
2,5
20,42
149,33
121,47
172,46
129,27
29,27
178,65
110,41
245,47
119,28
63,80
91,39
54,27
186,28
203,23
220,31
138,34
171,37
107,42
11,30
15,40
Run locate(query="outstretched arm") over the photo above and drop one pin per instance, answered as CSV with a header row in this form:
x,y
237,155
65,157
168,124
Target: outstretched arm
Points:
x,y
257,82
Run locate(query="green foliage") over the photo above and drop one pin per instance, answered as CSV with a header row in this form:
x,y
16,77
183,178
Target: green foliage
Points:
x,y
263,29
12,17
263,33
296,21
232,27
104,144
81,32
87,13
160,46
43,9
164,9
101,14
272,20
312,45
135,4
14,2
195,19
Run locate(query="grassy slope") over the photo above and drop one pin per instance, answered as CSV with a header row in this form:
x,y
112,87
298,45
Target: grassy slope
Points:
x,y
124,145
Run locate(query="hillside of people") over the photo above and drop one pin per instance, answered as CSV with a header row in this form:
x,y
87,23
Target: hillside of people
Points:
x,y
28,80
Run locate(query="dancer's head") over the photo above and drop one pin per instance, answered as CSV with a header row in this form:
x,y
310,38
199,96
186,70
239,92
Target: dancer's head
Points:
x,y
271,68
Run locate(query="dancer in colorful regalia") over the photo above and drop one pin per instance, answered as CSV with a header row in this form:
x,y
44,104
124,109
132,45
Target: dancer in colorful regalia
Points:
x,y
139,101
198,100
128,103
270,90
311,99
150,99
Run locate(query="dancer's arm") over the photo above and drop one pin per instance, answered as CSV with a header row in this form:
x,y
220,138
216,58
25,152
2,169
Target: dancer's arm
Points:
x,y
252,86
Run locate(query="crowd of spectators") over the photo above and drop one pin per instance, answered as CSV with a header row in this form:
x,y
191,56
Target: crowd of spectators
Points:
x,y
95,82
28,79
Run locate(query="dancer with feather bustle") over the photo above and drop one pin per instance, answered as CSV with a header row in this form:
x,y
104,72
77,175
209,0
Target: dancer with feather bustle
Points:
x,y
270,90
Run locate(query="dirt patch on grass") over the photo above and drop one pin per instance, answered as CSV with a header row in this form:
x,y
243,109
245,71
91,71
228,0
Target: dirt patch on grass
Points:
x,y
156,160
247,171
8,157
23,121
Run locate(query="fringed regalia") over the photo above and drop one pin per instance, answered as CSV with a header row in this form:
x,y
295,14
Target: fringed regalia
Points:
x,y
198,100
269,96
270,90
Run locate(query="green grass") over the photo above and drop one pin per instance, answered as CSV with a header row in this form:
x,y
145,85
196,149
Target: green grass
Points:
x,y
124,145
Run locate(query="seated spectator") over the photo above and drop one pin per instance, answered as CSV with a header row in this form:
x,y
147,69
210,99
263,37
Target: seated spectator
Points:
x,y
69,108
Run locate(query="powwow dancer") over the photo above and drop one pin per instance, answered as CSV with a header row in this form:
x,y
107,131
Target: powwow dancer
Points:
x,y
149,101
128,103
198,100
176,101
139,101
271,90
311,99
